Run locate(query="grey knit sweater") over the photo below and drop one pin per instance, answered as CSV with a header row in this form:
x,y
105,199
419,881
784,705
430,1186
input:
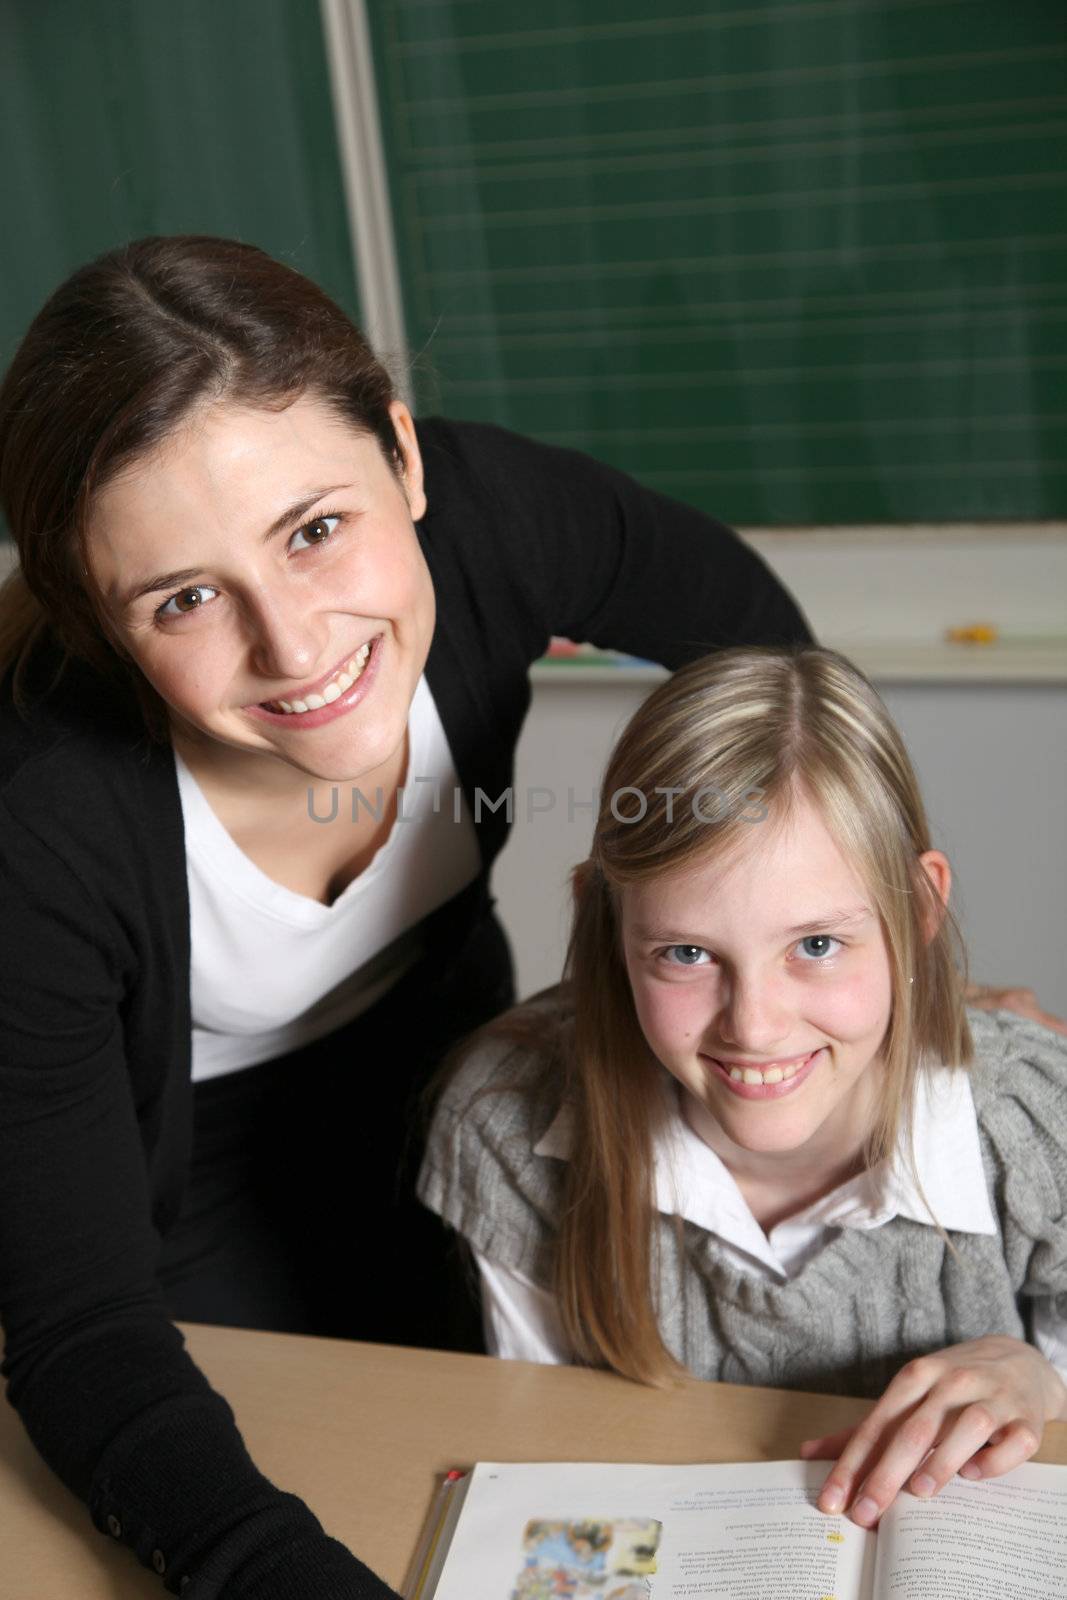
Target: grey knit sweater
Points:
x,y
866,1303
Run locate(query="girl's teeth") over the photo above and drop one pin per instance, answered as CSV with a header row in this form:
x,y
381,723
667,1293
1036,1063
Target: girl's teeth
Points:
x,y
772,1074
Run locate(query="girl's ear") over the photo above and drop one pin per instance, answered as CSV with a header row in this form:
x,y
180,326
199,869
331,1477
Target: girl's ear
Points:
x,y
936,866
580,877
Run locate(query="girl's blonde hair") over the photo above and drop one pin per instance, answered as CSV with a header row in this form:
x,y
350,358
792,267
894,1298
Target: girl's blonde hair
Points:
x,y
742,728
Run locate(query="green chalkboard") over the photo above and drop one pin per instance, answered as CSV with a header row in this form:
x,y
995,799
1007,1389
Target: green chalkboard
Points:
x,y
796,261
130,117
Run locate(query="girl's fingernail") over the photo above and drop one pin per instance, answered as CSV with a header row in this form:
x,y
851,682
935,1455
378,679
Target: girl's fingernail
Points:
x,y
922,1483
832,1499
970,1471
865,1511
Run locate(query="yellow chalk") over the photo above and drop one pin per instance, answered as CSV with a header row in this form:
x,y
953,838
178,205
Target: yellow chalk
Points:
x,y
973,633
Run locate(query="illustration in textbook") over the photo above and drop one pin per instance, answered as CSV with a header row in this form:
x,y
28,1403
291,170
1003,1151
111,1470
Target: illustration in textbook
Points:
x,y
589,1559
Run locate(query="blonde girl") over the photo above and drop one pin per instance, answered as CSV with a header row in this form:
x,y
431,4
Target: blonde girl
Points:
x,y
756,1135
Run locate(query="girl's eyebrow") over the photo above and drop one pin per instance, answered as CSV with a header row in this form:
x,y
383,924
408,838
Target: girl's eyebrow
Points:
x,y
833,919
849,918
170,580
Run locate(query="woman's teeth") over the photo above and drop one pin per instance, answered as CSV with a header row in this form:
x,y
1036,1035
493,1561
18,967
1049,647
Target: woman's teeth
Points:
x,y
770,1075
331,691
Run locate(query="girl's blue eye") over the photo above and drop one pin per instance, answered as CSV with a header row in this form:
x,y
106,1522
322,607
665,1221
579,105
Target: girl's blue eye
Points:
x,y
322,527
688,955
821,939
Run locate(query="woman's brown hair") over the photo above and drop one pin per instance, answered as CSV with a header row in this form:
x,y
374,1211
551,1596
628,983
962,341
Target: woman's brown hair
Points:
x,y
115,360
776,724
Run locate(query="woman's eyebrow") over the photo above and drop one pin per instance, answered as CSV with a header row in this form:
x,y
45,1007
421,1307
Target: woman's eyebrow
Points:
x,y
298,508
168,580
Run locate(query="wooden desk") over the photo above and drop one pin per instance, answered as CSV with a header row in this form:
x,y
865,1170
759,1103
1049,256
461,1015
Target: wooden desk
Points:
x,y
359,1432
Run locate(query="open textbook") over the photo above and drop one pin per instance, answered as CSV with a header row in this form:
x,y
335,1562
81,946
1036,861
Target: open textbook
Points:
x,y
555,1531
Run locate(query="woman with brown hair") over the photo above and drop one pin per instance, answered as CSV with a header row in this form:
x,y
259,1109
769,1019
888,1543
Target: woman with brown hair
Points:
x,y
264,666
756,1135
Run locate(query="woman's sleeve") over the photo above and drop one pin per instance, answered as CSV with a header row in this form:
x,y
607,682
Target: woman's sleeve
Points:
x,y
603,559
94,1366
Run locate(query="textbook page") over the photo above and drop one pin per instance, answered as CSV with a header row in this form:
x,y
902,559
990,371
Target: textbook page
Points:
x,y
736,1532
997,1539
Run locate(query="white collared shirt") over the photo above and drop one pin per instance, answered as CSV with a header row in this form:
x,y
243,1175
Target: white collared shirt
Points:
x,y
522,1321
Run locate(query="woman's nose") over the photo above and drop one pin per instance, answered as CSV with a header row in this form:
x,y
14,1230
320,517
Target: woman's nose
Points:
x,y
287,633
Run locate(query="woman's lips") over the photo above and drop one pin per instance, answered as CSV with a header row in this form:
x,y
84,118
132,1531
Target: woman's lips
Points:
x,y
300,721
765,1091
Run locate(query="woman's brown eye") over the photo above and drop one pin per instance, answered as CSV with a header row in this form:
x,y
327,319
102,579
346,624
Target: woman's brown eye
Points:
x,y
318,532
185,593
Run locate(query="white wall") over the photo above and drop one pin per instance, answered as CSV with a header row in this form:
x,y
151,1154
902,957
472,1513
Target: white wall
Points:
x,y
992,761
987,731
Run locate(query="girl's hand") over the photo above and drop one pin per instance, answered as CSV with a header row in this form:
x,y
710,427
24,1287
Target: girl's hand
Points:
x,y
978,1409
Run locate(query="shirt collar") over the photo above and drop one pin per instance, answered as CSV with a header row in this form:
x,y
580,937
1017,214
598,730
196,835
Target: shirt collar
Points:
x,y
692,1182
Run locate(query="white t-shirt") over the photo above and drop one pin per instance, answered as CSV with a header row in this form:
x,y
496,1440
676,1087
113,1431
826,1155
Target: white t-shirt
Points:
x,y
271,969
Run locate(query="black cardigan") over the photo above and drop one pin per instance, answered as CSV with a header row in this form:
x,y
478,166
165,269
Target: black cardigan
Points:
x,y
522,541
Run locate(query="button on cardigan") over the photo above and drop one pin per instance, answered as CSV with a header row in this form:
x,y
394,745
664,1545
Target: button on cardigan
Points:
x,y
522,542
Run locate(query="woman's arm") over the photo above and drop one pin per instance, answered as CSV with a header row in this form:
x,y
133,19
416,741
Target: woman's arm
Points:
x,y
577,548
1024,1003
94,1366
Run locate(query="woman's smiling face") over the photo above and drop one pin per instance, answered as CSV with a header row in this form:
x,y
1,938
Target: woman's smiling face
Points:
x,y
270,555
771,960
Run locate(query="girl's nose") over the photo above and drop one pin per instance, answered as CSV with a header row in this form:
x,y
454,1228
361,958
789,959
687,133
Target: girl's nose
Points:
x,y
753,1017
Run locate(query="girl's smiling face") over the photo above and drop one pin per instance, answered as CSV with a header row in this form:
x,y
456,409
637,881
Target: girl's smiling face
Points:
x,y
773,960
257,556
